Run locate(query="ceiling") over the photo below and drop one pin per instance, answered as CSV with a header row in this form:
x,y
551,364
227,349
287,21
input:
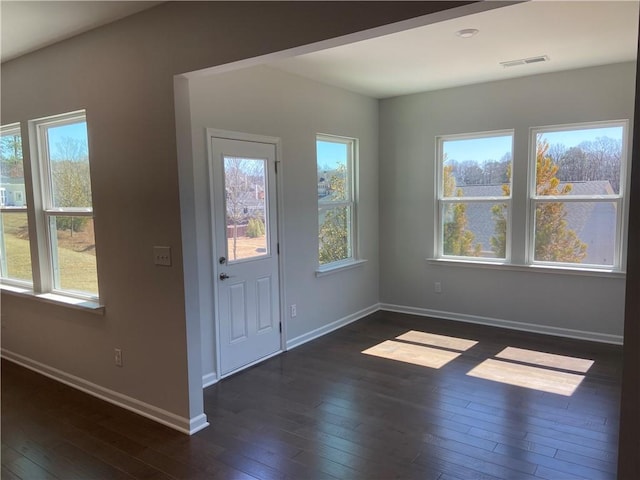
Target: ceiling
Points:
x,y
26,26
572,33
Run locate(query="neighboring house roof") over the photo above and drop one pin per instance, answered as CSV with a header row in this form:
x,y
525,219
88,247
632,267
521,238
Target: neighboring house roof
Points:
x,y
593,222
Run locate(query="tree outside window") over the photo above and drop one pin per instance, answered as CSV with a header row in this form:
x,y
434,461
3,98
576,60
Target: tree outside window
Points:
x,y
577,199
15,253
66,206
577,180
474,200
336,205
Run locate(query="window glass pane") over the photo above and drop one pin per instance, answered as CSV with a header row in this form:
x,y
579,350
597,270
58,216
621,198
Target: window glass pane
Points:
x,y
74,254
15,256
579,162
575,232
246,208
334,234
477,167
333,171
12,190
335,199
474,229
69,165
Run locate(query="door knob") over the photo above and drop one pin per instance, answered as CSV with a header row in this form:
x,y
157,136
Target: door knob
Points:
x,y
223,276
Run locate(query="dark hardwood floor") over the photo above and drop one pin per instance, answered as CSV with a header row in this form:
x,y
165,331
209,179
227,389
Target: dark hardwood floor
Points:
x,y
327,410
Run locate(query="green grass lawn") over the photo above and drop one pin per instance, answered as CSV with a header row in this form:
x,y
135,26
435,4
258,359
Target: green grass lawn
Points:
x,y
18,257
77,269
14,223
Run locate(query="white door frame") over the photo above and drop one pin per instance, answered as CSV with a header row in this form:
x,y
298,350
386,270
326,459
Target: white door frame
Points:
x,y
276,142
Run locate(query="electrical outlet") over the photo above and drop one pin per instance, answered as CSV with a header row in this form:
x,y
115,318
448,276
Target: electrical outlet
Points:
x,y
294,310
117,356
437,287
162,256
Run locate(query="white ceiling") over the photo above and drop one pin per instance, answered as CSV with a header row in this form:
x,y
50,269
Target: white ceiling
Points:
x,y
30,25
572,33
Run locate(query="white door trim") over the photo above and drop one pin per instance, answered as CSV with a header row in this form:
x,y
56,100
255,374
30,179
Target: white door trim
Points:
x,y
212,133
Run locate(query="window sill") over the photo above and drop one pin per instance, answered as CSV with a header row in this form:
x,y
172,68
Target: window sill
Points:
x,y
54,299
586,272
338,267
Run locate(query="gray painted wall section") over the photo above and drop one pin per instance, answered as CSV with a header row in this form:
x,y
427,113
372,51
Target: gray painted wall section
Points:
x,y
408,127
264,101
123,75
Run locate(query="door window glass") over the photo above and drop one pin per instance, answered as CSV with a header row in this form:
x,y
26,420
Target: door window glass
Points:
x,y
246,208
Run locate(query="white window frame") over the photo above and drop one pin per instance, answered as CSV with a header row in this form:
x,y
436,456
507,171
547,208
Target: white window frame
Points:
x,y
350,202
13,129
441,200
618,199
46,268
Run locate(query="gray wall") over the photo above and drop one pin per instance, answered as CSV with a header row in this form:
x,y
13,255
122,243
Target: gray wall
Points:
x,y
265,101
122,74
584,306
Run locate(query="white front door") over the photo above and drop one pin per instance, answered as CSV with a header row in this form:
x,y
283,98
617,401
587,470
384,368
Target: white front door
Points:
x,y
246,256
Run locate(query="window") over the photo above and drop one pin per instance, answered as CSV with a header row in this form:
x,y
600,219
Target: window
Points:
x,y
47,242
336,199
576,192
15,253
574,212
474,196
63,206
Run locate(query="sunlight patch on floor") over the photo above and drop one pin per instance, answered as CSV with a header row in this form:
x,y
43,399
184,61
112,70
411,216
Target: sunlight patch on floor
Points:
x,y
434,340
411,353
579,365
546,372
527,376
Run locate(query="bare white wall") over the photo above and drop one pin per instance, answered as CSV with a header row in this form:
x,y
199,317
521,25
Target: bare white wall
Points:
x,y
586,306
265,101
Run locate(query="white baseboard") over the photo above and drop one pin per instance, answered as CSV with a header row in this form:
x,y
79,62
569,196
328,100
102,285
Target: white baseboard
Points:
x,y
181,424
209,379
197,423
496,322
319,332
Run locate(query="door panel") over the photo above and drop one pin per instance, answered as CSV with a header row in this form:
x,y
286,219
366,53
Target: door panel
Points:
x,y
263,301
237,312
245,229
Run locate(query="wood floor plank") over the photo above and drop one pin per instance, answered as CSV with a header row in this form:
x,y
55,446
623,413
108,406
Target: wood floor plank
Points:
x,y
511,441
7,474
326,410
43,456
23,467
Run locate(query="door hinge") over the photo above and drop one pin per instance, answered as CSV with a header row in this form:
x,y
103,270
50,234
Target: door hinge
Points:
x,y
278,248
280,327
277,167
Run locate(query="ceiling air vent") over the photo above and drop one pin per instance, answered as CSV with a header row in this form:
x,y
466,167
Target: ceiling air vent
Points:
x,y
524,61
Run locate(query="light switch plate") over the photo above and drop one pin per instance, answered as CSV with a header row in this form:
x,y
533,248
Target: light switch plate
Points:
x,y
162,256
